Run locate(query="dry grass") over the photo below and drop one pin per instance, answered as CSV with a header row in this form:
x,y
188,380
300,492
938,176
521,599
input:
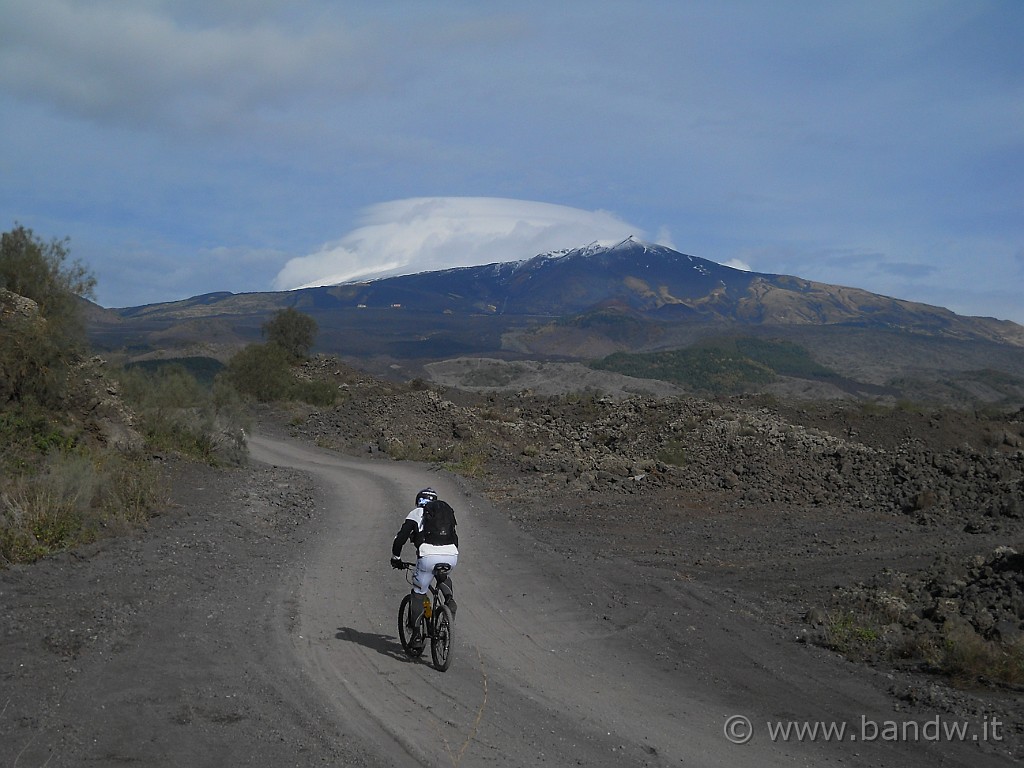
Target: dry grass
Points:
x,y
968,657
73,500
864,632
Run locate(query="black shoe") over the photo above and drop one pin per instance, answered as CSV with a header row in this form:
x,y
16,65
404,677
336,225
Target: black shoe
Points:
x,y
452,606
417,640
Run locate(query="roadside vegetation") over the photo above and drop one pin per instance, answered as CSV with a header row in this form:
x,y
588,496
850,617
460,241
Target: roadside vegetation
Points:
x,y
60,486
868,632
268,372
77,440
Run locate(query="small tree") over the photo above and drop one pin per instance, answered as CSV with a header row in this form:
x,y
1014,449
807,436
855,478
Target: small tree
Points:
x,y
40,337
37,270
291,330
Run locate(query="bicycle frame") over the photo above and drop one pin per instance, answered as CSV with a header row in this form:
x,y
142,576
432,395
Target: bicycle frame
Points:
x,y
436,621
435,584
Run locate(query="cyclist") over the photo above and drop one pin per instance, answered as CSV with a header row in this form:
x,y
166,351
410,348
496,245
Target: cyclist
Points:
x,y
436,542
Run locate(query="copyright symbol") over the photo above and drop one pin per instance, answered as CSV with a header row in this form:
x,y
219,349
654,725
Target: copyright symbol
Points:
x,y
738,729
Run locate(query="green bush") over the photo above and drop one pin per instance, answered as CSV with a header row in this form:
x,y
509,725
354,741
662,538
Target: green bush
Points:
x,y
710,370
38,343
169,386
176,413
959,652
33,362
61,487
36,270
322,394
264,373
203,369
292,331
470,464
261,371
30,430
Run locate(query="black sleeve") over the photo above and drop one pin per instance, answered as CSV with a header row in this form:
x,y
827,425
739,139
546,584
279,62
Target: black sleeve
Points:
x,y
406,532
455,534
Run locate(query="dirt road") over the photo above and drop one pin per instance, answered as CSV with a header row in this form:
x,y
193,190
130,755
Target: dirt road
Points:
x,y
545,671
253,623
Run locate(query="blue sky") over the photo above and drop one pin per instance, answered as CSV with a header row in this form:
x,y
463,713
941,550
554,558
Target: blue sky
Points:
x,y
253,145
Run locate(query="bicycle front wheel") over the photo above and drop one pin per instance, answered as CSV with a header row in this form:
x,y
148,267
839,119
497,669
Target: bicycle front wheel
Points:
x,y
404,633
441,640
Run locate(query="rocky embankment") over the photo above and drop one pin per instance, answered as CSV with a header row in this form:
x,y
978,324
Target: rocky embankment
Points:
x,y
936,467
947,485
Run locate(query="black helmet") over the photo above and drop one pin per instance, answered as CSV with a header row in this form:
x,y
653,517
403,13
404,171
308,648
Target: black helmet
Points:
x,y
425,496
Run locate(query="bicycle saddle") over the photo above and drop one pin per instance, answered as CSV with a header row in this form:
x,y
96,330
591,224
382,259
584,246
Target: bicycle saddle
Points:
x,y
442,568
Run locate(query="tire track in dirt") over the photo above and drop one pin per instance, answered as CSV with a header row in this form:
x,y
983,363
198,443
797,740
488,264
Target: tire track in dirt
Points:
x,y
539,677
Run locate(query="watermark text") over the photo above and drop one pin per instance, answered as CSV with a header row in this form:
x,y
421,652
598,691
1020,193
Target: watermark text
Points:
x,y
740,729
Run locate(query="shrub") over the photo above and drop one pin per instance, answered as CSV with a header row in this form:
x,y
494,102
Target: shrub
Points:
x,y
264,373
261,371
400,451
851,633
322,394
176,413
36,270
967,656
33,362
60,487
41,336
673,453
73,499
203,369
292,331
130,490
28,431
469,465
708,369
863,631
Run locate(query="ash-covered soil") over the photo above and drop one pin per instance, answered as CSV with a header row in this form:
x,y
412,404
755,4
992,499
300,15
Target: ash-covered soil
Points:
x,y
887,534
879,536
163,647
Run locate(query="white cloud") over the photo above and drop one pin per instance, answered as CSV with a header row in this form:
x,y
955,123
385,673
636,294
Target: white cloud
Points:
x,y
138,63
664,237
431,233
739,264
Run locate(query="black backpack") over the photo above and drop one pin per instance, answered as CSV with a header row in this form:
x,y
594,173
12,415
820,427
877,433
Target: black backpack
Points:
x,y
438,523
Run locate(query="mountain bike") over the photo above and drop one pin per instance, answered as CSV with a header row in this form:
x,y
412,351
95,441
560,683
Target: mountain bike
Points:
x,y
436,623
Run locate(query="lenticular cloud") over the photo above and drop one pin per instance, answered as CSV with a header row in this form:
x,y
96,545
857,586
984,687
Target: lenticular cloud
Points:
x,y
424,234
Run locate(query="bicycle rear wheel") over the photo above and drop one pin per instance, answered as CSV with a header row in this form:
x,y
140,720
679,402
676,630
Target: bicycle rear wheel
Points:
x,y
441,639
404,633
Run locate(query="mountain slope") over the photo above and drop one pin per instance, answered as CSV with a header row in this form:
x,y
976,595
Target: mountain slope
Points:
x,y
654,282
582,305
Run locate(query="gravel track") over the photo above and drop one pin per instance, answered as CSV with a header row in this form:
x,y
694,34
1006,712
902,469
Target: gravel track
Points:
x,y
253,624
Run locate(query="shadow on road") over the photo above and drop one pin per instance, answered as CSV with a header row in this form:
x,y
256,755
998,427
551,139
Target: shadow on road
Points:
x,y
387,645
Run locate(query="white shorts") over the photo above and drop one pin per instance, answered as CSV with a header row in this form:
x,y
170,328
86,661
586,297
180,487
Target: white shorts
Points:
x,y
425,569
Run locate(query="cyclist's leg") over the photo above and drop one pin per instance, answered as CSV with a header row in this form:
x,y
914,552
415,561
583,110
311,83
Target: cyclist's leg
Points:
x,y
421,583
426,565
449,594
445,585
415,614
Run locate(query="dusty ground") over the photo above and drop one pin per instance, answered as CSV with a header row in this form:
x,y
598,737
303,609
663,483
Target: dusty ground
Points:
x,y
186,644
162,648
